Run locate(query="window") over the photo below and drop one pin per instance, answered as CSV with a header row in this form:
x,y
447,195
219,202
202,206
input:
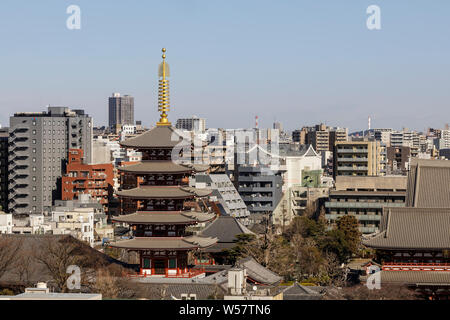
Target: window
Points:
x,y
34,178
172,263
34,141
34,159
34,188
34,150
34,198
34,131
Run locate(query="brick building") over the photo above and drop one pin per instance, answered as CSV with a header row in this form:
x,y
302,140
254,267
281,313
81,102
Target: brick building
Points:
x,y
80,178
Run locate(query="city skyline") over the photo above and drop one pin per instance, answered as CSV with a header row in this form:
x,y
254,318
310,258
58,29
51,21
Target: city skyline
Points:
x,y
322,64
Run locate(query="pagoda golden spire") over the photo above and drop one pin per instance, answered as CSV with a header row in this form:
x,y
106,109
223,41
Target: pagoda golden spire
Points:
x,y
163,91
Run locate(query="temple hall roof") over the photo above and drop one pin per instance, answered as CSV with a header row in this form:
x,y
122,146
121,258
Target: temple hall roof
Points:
x,y
413,228
163,192
225,228
165,217
428,184
416,277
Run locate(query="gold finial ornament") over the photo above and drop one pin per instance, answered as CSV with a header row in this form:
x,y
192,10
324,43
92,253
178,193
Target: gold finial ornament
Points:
x,y
163,91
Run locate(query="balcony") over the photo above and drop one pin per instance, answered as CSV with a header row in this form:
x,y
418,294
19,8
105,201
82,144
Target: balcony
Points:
x,y
362,205
357,159
355,168
342,150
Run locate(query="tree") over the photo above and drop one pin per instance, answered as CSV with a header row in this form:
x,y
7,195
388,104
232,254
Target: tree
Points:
x,y
9,249
348,224
335,242
306,227
58,254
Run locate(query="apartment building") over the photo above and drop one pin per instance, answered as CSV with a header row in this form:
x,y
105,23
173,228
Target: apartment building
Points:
x,y
359,158
191,124
97,180
365,198
38,146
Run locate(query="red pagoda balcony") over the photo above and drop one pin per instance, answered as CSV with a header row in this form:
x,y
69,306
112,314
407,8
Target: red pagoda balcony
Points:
x,y
165,274
397,266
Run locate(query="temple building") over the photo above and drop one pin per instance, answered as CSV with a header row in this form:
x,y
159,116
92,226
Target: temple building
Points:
x,y
413,245
152,197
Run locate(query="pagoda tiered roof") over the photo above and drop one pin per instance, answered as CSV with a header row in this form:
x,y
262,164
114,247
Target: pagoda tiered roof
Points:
x,y
159,137
163,192
165,217
163,166
165,243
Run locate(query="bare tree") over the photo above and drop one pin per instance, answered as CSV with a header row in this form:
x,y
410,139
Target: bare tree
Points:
x,y
9,249
57,256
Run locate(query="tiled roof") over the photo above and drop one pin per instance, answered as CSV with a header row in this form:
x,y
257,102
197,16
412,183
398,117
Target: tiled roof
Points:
x,y
158,137
155,217
141,243
162,166
259,273
428,184
163,192
416,277
225,228
413,228
299,292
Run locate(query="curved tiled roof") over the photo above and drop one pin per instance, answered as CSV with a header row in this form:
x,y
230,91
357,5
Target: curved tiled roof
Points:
x,y
416,277
162,166
157,137
163,192
160,217
413,228
225,228
428,184
259,273
167,243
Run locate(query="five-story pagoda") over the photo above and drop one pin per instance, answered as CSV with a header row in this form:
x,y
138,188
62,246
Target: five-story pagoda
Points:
x,y
153,195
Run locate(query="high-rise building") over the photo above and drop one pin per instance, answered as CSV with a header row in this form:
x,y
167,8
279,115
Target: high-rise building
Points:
x,y
121,111
323,138
4,169
191,124
38,146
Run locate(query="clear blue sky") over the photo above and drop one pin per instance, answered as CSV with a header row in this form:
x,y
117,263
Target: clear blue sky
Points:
x,y
298,62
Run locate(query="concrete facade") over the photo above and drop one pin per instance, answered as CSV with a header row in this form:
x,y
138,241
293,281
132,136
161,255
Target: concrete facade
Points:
x,y
38,147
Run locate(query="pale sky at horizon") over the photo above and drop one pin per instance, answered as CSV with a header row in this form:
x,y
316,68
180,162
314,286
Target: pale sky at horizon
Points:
x,y
296,62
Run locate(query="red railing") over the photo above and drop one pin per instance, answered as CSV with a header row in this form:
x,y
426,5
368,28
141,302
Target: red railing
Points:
x,y
190,274
405,266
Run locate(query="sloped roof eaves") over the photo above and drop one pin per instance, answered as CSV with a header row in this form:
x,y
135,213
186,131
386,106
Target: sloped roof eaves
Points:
x,y
187,243
163,166
162,217
416,277
163,192
158,137
258,272
413,228
225,228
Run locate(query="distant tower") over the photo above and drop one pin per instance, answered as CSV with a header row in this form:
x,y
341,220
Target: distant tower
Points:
x,y
256,122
